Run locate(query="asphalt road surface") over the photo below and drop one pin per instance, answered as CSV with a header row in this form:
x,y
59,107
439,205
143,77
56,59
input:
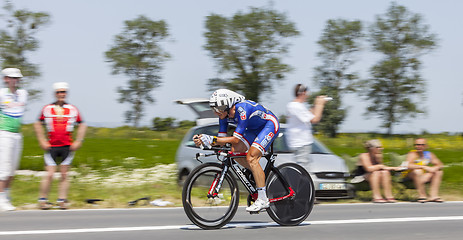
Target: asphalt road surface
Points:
x,y
327,221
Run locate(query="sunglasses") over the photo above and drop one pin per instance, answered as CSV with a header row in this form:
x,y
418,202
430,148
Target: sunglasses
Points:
x,y
61,92
419,144
219,109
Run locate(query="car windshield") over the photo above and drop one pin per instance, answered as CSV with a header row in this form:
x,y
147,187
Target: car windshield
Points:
x,y
279,146
202,109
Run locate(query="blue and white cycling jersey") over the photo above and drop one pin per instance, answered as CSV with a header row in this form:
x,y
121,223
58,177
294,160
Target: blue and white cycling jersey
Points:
x,y
255,125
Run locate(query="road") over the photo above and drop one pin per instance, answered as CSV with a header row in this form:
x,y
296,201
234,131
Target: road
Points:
x,y
327,221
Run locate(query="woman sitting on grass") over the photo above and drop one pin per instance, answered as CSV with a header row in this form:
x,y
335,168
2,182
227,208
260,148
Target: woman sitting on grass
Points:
x,y
376,173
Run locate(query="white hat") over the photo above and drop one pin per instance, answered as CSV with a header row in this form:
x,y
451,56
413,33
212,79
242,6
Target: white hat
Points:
x,y
12,72
60,85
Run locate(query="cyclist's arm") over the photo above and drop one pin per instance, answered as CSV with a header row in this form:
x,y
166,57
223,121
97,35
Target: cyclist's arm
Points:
x,y
223,140
241,126
223,126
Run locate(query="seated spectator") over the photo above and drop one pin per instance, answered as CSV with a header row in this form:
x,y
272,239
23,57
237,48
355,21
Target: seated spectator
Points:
x,y
425,167
376,173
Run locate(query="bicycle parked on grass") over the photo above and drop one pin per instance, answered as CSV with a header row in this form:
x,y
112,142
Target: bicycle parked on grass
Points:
x,y
210,194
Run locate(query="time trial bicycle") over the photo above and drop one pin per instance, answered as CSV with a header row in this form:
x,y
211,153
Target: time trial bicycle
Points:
x,y
211,196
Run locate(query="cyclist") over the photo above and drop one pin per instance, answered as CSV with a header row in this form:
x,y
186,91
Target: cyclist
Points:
x,y
256,128
59,118
12,107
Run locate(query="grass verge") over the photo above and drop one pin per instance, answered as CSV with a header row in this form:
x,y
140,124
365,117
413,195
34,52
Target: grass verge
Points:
x,y
123,164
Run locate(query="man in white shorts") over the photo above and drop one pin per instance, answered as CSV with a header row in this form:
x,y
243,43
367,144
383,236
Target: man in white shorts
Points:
x,y
12,107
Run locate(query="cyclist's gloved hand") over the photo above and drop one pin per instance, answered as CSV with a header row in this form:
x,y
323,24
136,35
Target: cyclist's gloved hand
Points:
x,y
207,140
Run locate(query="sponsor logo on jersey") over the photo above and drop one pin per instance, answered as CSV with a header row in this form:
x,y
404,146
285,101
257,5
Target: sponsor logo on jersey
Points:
x,y
242,113
269,136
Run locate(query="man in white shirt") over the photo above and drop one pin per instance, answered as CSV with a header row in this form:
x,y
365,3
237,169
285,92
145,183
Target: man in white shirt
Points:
x,y
300,120
12,107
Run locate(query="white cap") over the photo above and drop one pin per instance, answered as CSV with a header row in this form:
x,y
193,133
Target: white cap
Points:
x,y
60,85
12,72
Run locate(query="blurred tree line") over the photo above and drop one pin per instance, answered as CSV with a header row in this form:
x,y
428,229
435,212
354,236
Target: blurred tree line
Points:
x,y
168,123
395,89
248,49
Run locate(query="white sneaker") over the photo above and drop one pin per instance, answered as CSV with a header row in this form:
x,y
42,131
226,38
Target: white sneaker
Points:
x,y
5,205
258,205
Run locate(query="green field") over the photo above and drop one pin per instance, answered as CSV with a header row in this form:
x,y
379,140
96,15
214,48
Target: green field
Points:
x,y
123,164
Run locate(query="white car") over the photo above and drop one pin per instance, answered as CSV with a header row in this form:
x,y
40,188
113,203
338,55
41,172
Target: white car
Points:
x,y
328,171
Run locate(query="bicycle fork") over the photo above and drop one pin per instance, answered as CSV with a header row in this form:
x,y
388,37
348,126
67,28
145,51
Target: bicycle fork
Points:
x,y
217,183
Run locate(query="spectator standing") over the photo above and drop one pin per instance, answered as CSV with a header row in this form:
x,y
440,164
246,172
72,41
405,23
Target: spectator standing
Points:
x,y
425,167
59,118
300,120
12,107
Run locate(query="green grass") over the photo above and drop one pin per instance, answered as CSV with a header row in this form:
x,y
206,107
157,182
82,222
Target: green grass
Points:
x,y
105,147
120,153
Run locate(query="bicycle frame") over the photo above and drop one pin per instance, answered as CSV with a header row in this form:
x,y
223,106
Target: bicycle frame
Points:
x,y
230,163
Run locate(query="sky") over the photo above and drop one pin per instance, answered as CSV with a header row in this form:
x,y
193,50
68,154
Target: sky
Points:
x,y
72,49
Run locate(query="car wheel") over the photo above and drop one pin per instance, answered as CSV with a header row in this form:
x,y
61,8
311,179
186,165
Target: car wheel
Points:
x,y
182,176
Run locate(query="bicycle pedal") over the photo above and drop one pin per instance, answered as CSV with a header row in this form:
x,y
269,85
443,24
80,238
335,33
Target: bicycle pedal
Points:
x,y
257,212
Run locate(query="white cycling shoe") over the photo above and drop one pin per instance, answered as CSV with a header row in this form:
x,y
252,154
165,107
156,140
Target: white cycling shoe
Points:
x,y
258,205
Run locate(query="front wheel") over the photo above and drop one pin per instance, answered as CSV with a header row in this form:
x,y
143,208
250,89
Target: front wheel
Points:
x,y
291,211
205,210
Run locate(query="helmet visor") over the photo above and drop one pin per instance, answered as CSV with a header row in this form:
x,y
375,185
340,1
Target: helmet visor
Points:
x,y
219,109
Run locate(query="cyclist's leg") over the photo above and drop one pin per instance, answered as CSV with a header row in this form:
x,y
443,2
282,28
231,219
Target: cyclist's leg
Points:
x,y
253,158
241,147
251,161
260,145
262,202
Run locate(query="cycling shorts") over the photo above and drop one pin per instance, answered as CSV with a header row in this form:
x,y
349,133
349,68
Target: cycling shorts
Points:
x,y
11,146
259,138
59,155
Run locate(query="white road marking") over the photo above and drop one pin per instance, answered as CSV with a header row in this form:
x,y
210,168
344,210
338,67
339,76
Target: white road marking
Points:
x,y
237,225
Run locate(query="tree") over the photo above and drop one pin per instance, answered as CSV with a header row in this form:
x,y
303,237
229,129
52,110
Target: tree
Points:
x,y
18,39
396,88
186,124
248,48
339,42
333,113
137,53
163,124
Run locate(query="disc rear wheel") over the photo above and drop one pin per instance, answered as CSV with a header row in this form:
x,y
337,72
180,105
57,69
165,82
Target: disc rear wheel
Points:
x,y
294,210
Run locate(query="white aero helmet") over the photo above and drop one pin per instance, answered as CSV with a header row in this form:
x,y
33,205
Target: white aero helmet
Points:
x,y
224,99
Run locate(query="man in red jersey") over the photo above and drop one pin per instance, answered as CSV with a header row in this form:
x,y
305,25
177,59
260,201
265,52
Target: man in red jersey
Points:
x,y
59,118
